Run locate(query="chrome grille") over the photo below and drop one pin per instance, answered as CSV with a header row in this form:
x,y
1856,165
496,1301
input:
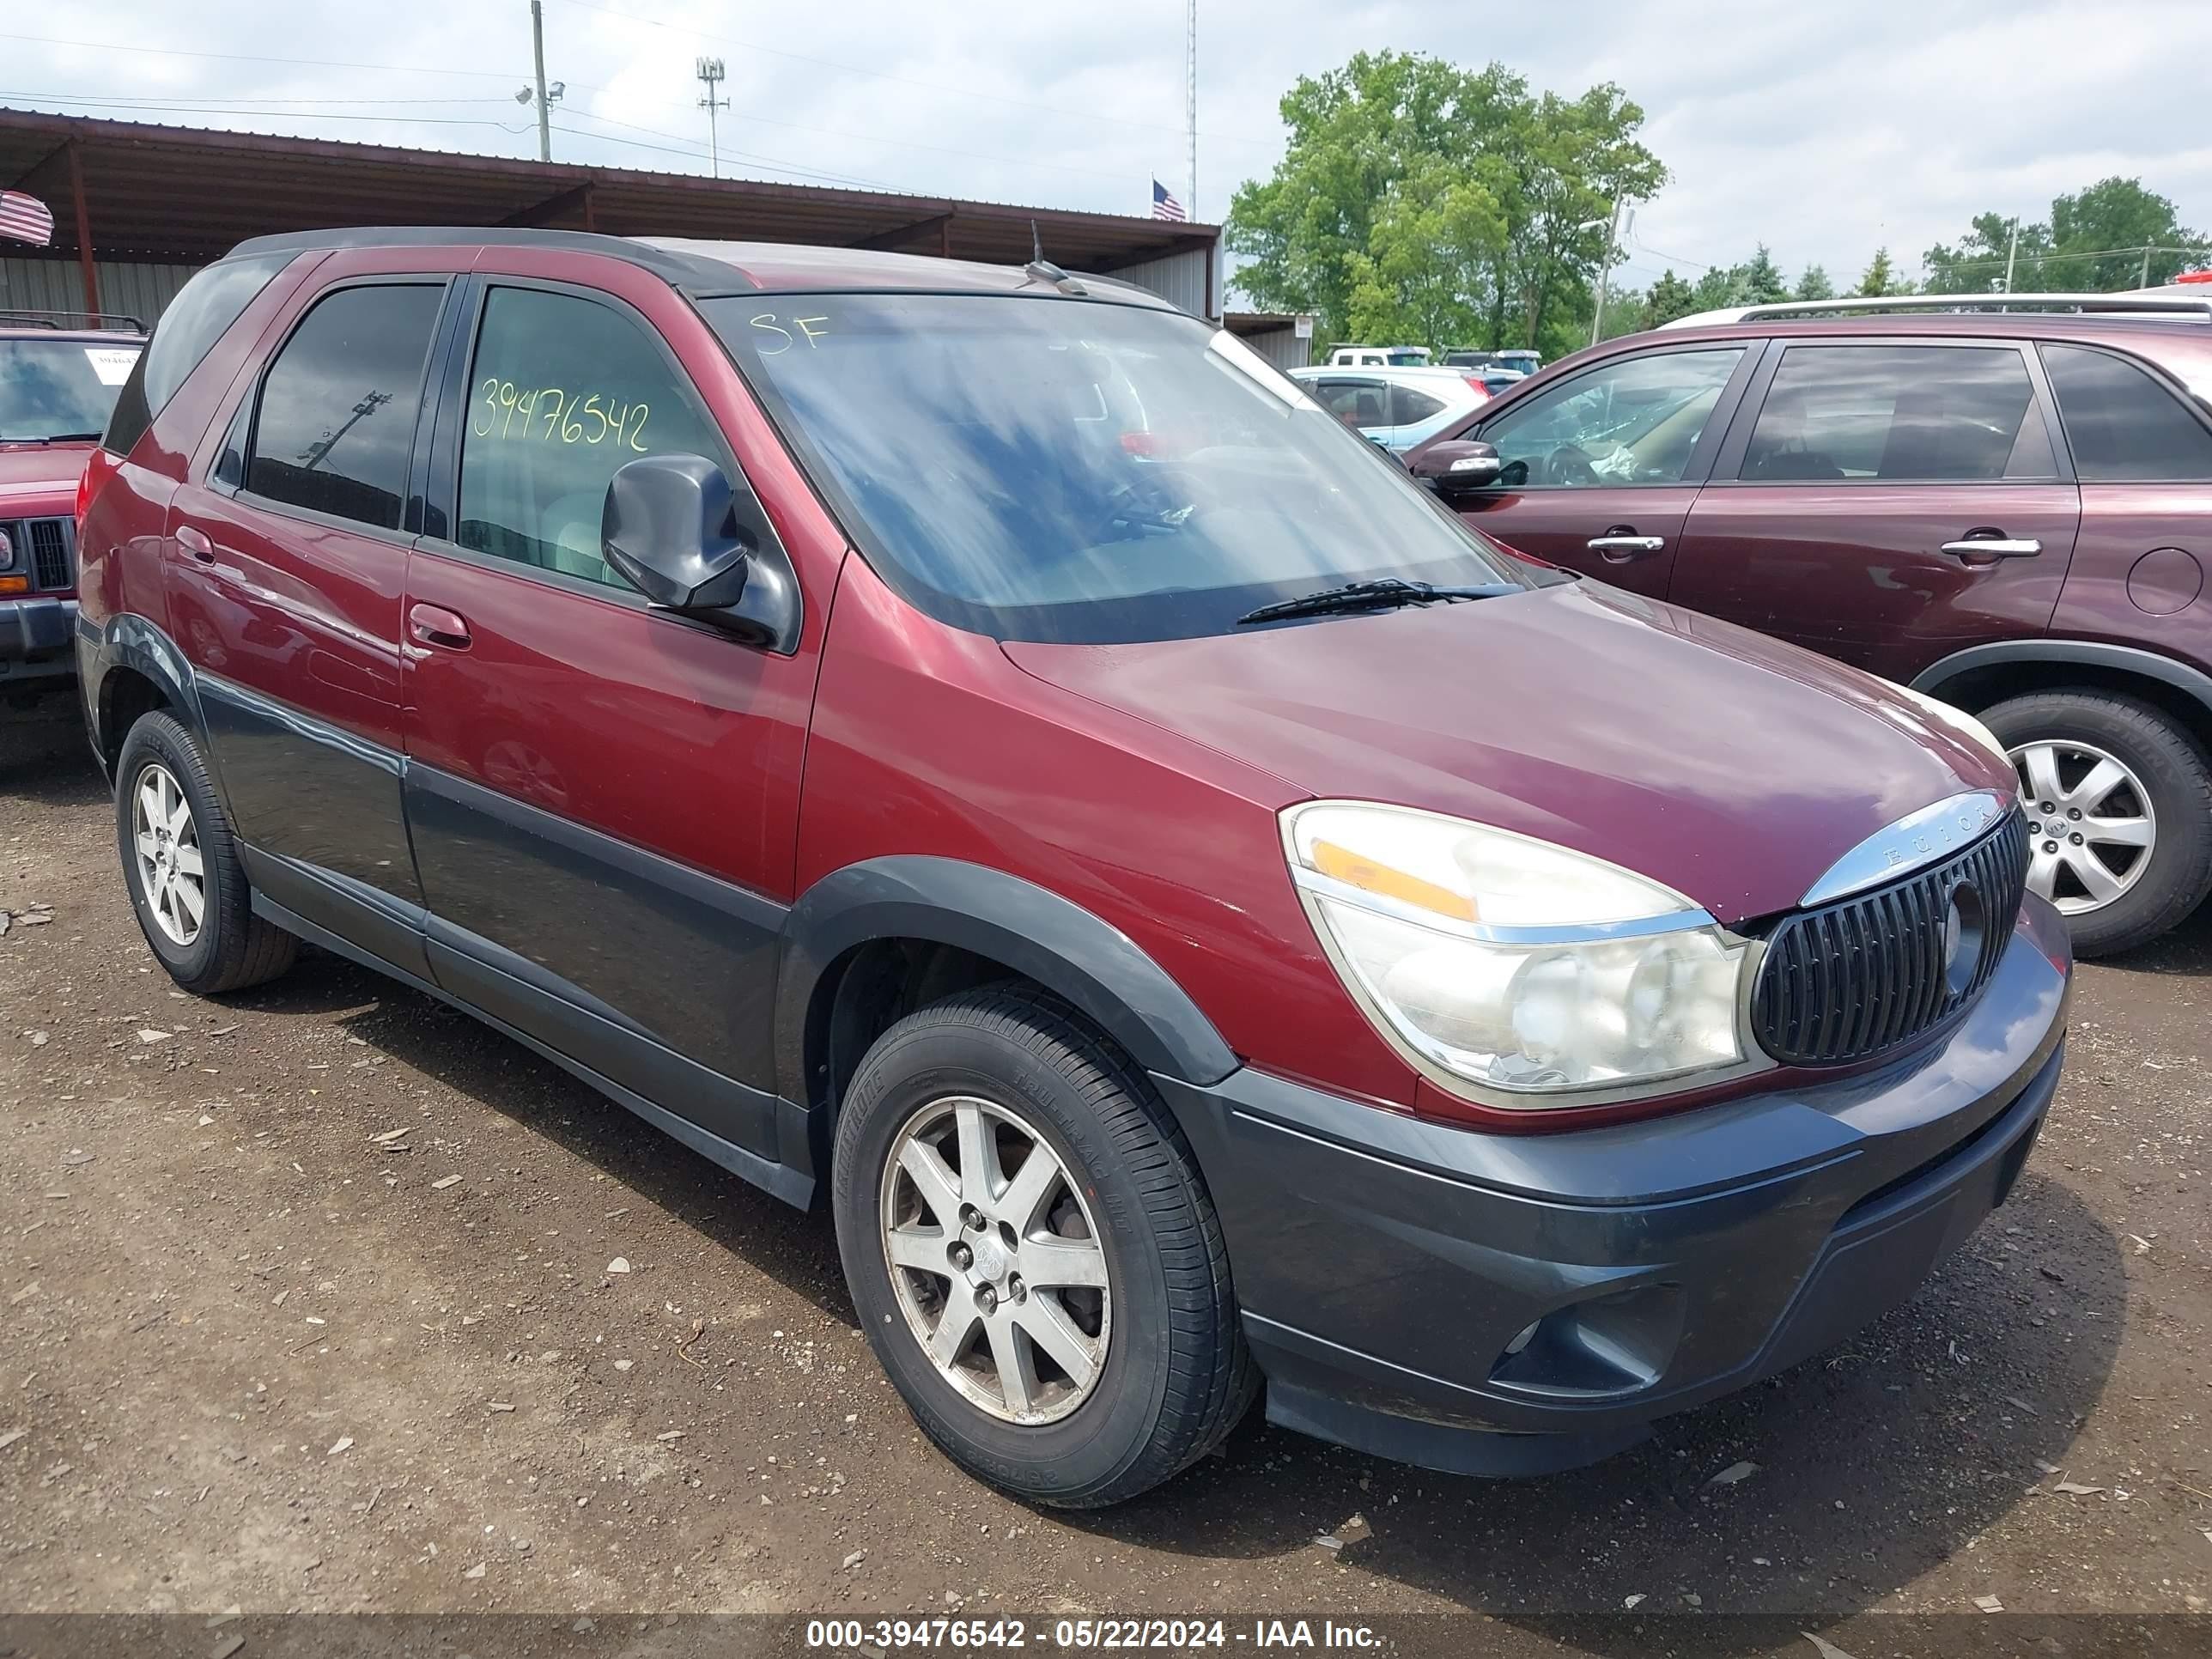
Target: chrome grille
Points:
x,y
1851,980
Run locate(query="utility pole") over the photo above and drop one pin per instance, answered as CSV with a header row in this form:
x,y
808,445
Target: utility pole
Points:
x,y
710,76
2011,253
1190,101
2145,282
1605,271
544,110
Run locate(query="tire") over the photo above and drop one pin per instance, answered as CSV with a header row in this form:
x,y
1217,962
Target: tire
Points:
x,y
1175,1375
230,947
2170,777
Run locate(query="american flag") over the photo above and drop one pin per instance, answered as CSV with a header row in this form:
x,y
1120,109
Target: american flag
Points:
x,y
25,219
1165,205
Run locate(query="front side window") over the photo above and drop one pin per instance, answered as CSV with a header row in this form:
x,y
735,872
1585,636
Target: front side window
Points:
x,y
336,427
1360,403
1636,422
562,391
1037,468
2122,423
56,389
1922,414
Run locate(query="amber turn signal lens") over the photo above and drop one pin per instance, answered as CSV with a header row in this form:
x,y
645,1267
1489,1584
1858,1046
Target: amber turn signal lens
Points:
x,y
15,584
1385,882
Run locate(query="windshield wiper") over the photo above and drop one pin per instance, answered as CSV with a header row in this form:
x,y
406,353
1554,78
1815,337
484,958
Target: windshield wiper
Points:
x,y
1371,596
50,438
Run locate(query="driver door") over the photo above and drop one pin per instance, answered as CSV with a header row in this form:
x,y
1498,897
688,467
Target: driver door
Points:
x,y
1600,469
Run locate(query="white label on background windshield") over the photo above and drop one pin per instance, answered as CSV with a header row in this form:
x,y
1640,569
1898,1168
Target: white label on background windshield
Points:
x,y
112,363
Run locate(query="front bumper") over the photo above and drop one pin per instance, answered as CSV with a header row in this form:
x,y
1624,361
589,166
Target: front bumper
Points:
x,y
1404,1282
36,639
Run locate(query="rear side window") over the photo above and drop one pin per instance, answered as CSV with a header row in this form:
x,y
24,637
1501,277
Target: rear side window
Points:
x,y
1362,403
336,429
203,310
563,390
1408,406
1927,414
2122,423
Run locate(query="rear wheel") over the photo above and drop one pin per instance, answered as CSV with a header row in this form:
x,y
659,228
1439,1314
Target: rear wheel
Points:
x,y
181,863
1032,1255
2118,799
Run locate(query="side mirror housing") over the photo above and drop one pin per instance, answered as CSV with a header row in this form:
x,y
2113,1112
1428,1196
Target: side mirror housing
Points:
x,y
1460,467
669,528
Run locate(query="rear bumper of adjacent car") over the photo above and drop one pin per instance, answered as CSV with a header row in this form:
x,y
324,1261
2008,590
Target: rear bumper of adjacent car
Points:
x,y
37,640
1497,1305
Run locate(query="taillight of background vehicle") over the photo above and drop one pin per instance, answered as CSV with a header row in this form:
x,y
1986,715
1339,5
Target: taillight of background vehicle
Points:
x,y
1481,391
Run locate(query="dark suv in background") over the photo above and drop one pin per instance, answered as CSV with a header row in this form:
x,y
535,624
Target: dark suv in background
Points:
x,y
2011,510
59,374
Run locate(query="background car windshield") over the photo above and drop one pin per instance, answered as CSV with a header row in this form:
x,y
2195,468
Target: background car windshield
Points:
x,y
1042,470
60,388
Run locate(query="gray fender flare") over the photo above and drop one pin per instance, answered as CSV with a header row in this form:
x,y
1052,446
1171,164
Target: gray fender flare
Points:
x,y
1088,961
128,641
2148,664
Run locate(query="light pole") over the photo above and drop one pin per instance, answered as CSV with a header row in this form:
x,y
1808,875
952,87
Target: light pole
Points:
x,y
710,76
1605,266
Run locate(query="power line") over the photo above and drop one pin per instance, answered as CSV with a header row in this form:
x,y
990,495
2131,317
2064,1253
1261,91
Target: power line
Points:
x,y
698,153
283,114
258,57
908,79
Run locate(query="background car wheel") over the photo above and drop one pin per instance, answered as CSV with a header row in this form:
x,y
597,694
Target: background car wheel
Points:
x,y
181,866
2119,811
1032,1255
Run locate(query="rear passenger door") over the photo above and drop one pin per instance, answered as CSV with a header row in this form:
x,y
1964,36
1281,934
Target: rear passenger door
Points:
x,y
1600,469
284,570
603,797
1886,502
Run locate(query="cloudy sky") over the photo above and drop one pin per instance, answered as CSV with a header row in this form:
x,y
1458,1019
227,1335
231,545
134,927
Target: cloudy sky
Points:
x,y
1822,129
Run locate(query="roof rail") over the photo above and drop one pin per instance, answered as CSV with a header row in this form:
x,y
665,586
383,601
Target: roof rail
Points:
x,y
100,320
2148,305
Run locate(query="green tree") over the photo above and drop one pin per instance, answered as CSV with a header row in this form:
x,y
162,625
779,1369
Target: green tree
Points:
x,y
1760,280
1882,278
1670,297
2113,235
1814,285
1438,205
1720,286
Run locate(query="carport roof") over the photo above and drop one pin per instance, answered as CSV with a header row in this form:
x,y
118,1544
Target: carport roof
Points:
x,y
189,194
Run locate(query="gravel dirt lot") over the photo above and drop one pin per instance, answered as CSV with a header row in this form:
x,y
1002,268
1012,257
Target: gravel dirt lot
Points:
x,y
257,1350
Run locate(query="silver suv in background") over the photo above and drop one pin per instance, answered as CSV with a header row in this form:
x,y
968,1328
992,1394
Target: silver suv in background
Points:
x,y
1396,408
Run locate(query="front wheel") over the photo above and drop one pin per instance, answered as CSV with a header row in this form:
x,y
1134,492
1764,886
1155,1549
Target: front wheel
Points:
x,y
2118,797
1032,1255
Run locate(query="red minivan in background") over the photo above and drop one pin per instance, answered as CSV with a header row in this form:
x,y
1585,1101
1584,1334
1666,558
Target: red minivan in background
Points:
x,y
979,747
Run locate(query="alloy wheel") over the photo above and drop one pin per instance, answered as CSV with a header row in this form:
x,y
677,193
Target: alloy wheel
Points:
x,y
995,1262
166,841
2090,823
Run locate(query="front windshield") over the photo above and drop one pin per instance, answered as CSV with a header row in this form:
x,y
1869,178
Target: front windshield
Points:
x,y
1039,469
60,388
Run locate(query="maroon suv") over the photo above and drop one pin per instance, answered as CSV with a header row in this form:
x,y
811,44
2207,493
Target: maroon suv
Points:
x,y
980,745
2011,512
58,386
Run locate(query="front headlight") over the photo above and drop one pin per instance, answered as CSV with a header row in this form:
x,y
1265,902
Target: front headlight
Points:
x,y
1959,721
1510,970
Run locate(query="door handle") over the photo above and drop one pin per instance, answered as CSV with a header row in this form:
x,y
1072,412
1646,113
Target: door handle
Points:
x,y
196,542
1619,547
1987,550
432,624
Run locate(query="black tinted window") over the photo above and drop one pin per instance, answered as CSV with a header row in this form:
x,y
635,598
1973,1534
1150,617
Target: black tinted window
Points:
x,y
1927,413
337,426
1408,405
2122,423
203,309
563,392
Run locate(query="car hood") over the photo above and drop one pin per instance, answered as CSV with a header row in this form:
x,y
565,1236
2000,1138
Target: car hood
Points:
x,y
37,480
1733,767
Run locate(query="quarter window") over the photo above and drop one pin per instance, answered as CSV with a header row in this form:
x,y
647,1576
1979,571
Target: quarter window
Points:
x,y
1631,422
2122,423
1409,407
336,429
563,390
201,315
1939,414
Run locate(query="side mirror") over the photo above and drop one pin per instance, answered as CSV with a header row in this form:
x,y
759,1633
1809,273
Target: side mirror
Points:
x,y
670,528
1458,468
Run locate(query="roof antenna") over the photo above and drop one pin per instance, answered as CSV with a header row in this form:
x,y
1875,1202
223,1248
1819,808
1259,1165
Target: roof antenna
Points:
x,y
1036,244
1042,270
